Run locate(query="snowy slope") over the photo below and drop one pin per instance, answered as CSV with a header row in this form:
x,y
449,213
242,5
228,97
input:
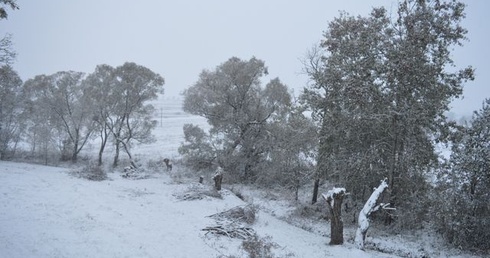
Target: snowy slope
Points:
x,y
46,212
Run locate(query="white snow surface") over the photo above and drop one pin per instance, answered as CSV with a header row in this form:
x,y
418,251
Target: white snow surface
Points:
x,y
47,212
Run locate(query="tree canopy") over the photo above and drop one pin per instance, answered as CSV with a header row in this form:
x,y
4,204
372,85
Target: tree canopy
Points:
x,y
243,116
381,87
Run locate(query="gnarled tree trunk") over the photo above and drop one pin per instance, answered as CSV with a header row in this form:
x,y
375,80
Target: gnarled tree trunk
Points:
x,y
334,199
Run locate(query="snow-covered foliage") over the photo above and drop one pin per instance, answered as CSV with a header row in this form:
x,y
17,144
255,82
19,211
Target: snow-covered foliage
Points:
x,y
380,88
57,102
254,127
463,192
330,195
10,110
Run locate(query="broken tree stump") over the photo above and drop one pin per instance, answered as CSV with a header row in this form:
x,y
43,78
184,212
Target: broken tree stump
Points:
x,y
334,200
218,178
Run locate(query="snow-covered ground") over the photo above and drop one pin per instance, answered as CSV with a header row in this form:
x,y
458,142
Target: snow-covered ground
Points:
x,y
47,212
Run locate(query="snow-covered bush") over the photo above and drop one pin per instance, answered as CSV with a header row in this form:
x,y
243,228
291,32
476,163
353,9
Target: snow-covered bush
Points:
x,y
90,171
198,192
257,247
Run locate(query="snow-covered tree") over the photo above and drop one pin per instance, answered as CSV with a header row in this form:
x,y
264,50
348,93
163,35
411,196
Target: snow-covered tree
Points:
x,y
380,88
10,85
99,95
119,100
197,149
133,114
7,55
11,124
60,98
3,6
293,146
248,122
463,208
232,100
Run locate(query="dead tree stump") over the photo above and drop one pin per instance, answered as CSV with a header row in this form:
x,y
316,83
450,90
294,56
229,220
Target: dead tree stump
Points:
x,y
167,164
218,178
334,200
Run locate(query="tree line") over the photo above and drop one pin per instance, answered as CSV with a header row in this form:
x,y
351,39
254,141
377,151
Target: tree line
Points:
x,y
61,112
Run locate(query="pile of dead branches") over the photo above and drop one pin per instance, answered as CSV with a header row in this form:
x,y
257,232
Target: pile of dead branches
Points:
x,y
234,223
244,214
197,192
231,232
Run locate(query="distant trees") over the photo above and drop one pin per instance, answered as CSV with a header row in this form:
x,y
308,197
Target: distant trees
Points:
x,y
463,188
60,97
66,108
246,120
380,89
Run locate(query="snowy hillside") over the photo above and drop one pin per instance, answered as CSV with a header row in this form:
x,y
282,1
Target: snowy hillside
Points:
x,y
47,212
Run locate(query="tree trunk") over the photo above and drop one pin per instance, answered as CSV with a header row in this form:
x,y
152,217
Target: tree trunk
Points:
x,y
366,211
388,197
315,191
218,178
116,155
128,152
74,156
104,135
101,150
334,199
296,189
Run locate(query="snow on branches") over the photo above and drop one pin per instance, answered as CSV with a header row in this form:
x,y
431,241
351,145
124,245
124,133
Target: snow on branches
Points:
x,y
334,199
330,195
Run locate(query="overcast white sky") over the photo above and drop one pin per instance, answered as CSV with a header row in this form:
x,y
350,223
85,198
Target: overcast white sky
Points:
x,y
178,39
